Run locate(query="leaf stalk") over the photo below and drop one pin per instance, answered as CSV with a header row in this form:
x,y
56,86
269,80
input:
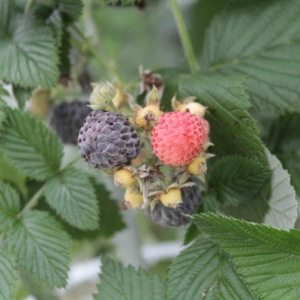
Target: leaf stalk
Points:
x,y
184,36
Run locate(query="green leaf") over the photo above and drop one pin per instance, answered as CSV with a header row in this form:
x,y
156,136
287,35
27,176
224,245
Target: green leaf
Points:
x,y
237,179
30,146
2,109
9,205
233,131
24,60
204,271
283,140
6,8
70,9
261,41
268,259
8,275
72,195
108,207
283,204
242,185
42,248
118,282
22,95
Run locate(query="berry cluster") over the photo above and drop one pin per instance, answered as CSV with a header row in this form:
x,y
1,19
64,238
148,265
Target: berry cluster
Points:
x,y
157,157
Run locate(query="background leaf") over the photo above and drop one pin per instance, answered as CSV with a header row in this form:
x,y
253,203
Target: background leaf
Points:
x,y
72,195
42,248
30,146
283,204
8,275
204,271
9,205
233,131
283,140
25,61
261,41
118,282
2,108
268,259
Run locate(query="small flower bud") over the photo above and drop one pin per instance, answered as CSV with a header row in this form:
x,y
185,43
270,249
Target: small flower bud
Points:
x,y
123,178
172,198
102,95
197,166
131,200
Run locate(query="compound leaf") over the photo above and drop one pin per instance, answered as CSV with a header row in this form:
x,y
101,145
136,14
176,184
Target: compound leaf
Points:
x,y
8,275
30,146
261,41
24,60
72,195
118,282
267,258
9,205
41,246
204,271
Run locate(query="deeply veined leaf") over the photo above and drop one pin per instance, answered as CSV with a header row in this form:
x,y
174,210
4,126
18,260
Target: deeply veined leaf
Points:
x,y
233,131
72,195
262,42
283,140
283,210
41,246
204,271
30,146
9,205
267,258
118,282
8,275
25,61
235,179
242,186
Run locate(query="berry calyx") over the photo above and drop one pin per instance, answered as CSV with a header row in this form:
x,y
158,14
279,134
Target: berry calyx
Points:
x,y
172,198
178,138
123,178
131,199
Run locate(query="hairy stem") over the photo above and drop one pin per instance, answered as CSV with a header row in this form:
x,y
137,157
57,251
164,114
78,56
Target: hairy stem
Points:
x,y
184,36
33,201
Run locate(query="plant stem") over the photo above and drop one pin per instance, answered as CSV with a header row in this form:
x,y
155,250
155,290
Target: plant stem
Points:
x,y
28,6
184,36
102,59
33,201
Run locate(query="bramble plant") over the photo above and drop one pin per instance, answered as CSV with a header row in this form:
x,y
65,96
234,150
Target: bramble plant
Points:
x,y
209,143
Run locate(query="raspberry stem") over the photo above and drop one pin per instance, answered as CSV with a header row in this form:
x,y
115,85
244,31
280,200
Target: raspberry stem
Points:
x,y
184,36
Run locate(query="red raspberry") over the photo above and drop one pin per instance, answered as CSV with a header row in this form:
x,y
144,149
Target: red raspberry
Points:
x,y
178,138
